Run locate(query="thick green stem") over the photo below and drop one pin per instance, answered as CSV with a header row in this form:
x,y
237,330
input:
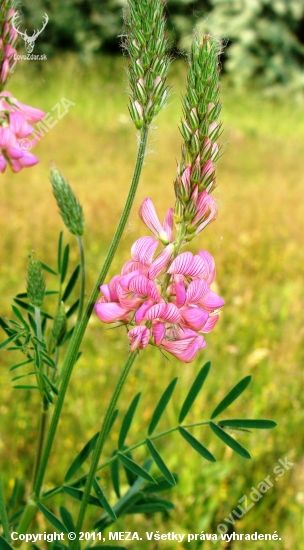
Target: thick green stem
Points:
x,y
82,278
41,436
101,441
80,328
3,514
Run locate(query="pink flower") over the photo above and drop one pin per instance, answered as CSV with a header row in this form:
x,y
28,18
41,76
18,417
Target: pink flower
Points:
x,y
139,337
185,350
148,215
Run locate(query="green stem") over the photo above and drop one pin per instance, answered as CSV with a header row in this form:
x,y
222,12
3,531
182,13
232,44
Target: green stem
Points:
x,y
41,436
82,277
101,441
3,514
80,328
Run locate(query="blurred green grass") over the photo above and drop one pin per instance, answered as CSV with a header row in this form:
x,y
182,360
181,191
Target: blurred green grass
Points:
x,y
257,244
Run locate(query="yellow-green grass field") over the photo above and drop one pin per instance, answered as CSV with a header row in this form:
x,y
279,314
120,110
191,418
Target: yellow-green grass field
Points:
x,y
257,243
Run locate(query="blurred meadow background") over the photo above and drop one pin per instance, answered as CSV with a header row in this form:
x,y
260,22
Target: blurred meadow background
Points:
x,y
257,243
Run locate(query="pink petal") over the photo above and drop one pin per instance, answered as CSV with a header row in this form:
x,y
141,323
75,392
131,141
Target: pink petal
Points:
x,y
148,215
139,338
197,290
2,163
181,264
212,302
194,317
110,312
28,159
160,262
180,291
7,137
159,331
168,224
31,113
209,265
132,265
141,312
167,312
210,324
143,250
14,152
184,350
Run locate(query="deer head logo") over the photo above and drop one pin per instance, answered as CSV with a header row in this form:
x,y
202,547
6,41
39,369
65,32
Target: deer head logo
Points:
x,y
29,40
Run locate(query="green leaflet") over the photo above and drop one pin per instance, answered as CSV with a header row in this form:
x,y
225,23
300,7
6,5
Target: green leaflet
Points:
x,y
228,440
5,545
135,468
78,495
48,269
231,396
159,462
52,518
103,501
259,424
81,457
160,407
127,421
67,519
196,445
194,390
71,283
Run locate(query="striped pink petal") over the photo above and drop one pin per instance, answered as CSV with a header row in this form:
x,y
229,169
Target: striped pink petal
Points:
x,y
139,338
141,312
194,317
197,290
110,312
168,224
212,302
184,350
160,262
180,291
210,324
148,215
209,265
167,312
110,290
132,265
159,331
181,264
143,250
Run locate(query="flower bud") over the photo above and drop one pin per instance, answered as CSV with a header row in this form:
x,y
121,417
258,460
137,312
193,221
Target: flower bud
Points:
x,y
60,325
69,207
35,282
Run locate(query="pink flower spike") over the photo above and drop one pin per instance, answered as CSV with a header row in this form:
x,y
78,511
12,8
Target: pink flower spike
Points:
x,y
167,312
210,265
207,170
194,317
110,312
161,261
139,338
148,215
159,331
143,250
212,302
168,224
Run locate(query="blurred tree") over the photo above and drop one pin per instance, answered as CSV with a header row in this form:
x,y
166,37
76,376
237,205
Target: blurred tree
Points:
x,y
265,38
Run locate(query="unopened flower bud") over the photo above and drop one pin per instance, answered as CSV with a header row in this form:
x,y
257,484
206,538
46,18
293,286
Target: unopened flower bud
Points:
x,y
35,282
60,325
69,207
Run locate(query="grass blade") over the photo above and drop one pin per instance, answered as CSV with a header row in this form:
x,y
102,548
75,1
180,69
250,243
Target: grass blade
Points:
x,y
52,518
81,457
135,468
194,390
127,421
196,445
160,407
259,424
159,461
228,440
231,396
71,283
